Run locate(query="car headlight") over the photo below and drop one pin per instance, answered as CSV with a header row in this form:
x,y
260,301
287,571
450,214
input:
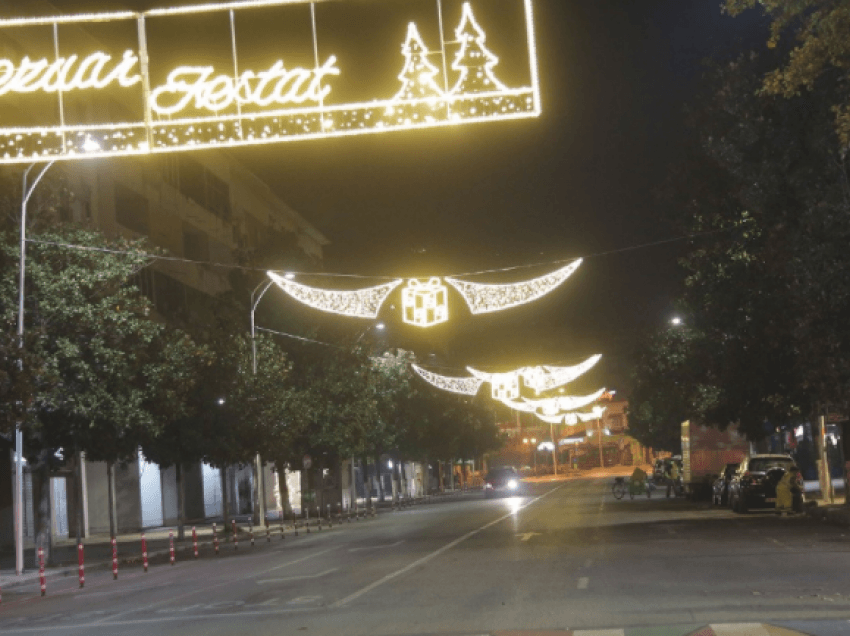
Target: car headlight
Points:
x,y
512,484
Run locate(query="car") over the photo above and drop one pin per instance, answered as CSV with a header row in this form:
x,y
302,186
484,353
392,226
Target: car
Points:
x,y
502,481
720,488
754,483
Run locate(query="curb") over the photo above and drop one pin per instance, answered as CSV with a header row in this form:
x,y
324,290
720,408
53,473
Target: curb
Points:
x,y
836,515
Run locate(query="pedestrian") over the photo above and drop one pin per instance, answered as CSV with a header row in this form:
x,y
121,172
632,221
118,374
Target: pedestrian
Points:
x,y
785,491
672,477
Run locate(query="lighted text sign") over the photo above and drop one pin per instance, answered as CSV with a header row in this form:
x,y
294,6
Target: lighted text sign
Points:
x,y
258,72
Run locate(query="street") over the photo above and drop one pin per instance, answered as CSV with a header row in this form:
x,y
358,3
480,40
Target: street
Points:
x,y
565,555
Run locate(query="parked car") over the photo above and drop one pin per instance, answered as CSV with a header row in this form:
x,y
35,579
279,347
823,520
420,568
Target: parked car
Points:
x,y
720,488
502,481
754,483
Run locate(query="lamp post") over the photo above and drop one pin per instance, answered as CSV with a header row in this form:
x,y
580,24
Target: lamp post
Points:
x,y
533,442
26,193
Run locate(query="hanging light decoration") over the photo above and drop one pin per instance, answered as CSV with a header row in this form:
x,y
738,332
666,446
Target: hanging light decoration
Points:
x,y
464,386
546,378
487,298
551,419
358,303
505,386
553,406
519,406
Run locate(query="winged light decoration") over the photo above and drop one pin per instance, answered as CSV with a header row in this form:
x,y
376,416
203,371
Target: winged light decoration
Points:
x,y
486,298
546,378
552,406
359,303
464,386
519,406
551,419
505,385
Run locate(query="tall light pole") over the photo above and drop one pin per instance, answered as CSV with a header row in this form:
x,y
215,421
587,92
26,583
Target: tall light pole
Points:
x,y
26,193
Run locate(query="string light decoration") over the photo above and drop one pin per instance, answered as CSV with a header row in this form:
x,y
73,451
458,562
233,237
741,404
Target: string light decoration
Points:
x,y
505,386
196,107
359,303
464,386
546,378
484,298
424,304
553,406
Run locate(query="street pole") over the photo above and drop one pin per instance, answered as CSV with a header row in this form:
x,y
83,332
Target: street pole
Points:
x,y
259,485
599,431
554,449
26,193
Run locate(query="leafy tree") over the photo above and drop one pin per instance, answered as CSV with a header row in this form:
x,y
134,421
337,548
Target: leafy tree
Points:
x,y
821,29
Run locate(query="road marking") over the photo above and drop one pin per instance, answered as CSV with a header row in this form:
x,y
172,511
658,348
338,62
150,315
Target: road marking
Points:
x,y
297,578
303,600
583,582
377,547
525,536
436,553
111,619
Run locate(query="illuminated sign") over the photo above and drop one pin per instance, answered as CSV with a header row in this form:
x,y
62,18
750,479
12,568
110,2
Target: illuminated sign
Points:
x,y
260,71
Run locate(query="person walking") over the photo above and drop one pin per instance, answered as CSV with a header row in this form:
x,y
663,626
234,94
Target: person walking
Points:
x,y
672,477
785,491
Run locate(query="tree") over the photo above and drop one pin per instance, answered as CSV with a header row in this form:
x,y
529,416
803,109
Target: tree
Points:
x,y
417,76
822,31
474,61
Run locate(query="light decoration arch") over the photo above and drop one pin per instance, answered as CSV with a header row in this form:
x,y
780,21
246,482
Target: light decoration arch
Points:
x,y
462,386
359,303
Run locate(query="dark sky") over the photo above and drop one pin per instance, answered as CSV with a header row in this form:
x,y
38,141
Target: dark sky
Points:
x,y
578,181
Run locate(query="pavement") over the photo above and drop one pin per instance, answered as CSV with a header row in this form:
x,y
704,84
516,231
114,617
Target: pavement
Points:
x,y
564,558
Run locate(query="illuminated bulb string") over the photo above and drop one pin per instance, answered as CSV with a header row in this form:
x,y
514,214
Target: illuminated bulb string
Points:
x,y
361,303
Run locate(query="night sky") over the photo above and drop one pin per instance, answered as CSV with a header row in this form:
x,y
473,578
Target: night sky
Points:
x,y
579,181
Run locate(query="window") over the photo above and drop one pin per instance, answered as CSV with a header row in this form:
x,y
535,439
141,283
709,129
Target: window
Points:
x,y
170,294
200,185
131,209
196,244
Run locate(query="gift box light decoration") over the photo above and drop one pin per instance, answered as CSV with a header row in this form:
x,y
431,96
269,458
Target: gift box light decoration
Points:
x,y
464,386
191,104
424,304
487,298
359,303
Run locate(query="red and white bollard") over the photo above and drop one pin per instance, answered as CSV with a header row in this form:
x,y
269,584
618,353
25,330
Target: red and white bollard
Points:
x,y
82,567
171,546
252,535
144,552
114,560
41,571
195,541
215,539
235,539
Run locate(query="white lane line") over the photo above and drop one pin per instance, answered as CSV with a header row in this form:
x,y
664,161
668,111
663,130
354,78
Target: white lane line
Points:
x,y
110,619
297,578
435,553
583,582
377,547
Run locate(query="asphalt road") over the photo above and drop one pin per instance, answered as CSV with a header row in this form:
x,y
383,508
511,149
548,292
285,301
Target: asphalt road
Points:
x,y
563,556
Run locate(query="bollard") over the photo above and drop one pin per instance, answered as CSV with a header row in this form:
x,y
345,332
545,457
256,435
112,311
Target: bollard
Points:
x,y
339,513
82,568
114,559
215,539
41,571
235,540
144,558
195,541
307,523
295,524
268,532
330,520
282,536
171,546
251,530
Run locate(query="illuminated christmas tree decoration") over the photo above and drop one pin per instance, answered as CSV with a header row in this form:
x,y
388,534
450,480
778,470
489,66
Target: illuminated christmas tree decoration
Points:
x,y
417,76
546,378
196,86
552,406
484,298
199,107
67,74
473,61
464,386
424,304
359,303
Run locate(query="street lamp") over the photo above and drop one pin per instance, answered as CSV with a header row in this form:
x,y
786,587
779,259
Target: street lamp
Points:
x,y
676,321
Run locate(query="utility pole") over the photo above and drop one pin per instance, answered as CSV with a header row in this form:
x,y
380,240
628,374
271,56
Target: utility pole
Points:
x,y
599,429
554,449
823,473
